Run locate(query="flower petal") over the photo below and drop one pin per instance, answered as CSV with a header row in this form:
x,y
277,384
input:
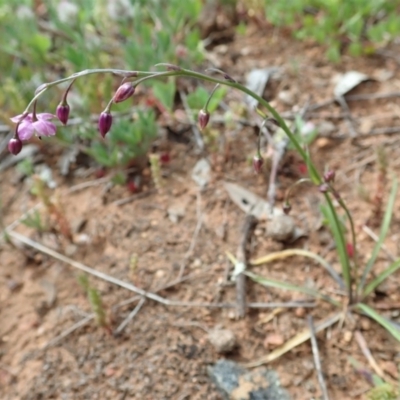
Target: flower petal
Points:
x,y
25,130
17,118
44,128
45,116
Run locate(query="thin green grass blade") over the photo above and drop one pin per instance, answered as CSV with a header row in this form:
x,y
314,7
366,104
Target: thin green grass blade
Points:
x,y
290,286
338,236
304,253
387,324
381,277
382,235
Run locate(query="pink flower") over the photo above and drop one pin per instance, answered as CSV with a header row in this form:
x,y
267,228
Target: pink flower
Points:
x,y
42,126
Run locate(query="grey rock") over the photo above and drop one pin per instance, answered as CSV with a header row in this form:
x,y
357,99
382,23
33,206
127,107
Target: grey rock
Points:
x,y
237,383
281,228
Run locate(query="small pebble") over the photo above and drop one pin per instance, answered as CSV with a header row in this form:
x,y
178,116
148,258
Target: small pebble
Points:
x,y
223,340
365,324
196,263
273,340
281,228
300,312
347,336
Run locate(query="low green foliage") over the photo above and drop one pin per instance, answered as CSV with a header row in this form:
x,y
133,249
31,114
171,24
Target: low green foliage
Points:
x,y
94,299
127,140
360,27
41,41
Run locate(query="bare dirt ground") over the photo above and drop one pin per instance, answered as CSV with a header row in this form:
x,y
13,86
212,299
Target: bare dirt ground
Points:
x,y
163,352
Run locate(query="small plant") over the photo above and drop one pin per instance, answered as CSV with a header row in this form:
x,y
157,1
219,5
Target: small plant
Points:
x,y
34,220
383,391
95,301
354,280
53,209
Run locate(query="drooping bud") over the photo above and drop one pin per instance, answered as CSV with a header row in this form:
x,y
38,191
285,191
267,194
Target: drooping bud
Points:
x,y
62,112
105,122
257,163
203,118
15,146
287,208
123,93
323,188
329,176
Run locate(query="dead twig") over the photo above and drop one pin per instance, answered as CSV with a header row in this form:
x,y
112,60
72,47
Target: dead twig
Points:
x,y
15,223
288,304
149,295
129,318
375,237
122,202
295,341
355,97
85,185
317,360
43,249
384,131
368,355
68,331
247,229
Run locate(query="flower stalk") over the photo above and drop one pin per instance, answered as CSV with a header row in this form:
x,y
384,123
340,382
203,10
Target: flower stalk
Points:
x,y
44,127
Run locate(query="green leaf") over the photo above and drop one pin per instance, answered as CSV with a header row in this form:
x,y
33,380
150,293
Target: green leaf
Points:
x,y
289,286
382,235
335,226
304,253
381,277
387,324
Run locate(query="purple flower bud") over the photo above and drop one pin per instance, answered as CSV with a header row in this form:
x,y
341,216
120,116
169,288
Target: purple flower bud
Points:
x,y
105,122
287,208
123,93
203,118
257,163
329,176
323,188
62,112
15,146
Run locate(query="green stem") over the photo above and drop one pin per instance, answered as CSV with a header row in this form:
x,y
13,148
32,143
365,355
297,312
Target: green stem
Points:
x,y
210,97
346,269
353,238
